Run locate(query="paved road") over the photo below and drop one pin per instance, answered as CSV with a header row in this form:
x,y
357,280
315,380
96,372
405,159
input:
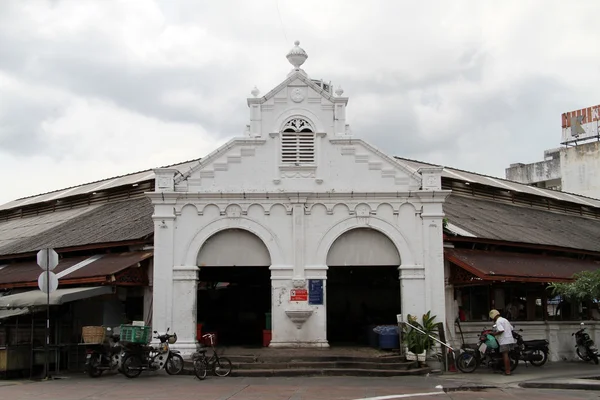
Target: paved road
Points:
x,y
159,386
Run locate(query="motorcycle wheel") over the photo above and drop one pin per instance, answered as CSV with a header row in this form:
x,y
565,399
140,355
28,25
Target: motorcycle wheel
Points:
x,y
222,367
542,361
92,368
131,361
174,364
466,362
584,357
200,369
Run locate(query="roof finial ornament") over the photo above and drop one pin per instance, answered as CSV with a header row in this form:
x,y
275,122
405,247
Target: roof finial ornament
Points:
x,y
297,55
255,92
339,91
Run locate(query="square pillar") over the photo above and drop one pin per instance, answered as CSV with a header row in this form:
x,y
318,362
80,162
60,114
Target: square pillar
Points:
x,y
185,287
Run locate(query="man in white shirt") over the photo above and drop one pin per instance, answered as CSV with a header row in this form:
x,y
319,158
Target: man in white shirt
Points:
x,y
504,336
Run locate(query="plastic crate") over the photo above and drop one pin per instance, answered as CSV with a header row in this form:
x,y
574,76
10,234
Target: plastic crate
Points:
x,y
135,334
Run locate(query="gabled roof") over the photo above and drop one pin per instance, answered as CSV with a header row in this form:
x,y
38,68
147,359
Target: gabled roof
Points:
x,y
291,78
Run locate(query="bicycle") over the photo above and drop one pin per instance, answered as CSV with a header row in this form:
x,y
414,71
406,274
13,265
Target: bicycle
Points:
x,y
221,366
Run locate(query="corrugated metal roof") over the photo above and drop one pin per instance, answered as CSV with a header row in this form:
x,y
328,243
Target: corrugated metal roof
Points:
x,y
497,265
514,223
472,177
108,264
30,271
88,188
109,222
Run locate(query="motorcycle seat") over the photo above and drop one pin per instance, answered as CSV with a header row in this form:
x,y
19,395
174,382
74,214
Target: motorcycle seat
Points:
x,y
535,343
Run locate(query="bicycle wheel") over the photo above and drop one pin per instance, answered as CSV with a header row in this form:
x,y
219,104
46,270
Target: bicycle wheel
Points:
x,y
174,364
200,369
222,366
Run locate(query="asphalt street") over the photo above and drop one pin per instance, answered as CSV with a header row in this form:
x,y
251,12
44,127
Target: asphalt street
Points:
x,y
158,386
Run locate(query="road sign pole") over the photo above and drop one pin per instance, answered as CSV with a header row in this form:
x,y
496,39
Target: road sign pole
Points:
x,y
47,259
48,313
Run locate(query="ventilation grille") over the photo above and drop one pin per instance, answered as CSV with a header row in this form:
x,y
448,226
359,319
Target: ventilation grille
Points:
x,y
298,147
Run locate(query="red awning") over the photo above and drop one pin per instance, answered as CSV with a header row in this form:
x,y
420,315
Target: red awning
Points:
x,y
100,268
517,267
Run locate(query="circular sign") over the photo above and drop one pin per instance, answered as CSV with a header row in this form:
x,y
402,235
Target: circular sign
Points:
x,y
48,282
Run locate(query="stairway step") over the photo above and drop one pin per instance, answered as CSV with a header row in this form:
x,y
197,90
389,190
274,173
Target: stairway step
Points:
x,y
324,365
323,372
319,358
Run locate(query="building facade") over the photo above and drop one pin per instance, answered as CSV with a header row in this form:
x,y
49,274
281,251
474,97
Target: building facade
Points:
x,y
299,196
572,168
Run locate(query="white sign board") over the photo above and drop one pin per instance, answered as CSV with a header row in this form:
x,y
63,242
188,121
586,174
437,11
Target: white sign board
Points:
x,y
48,282
47,259
581,124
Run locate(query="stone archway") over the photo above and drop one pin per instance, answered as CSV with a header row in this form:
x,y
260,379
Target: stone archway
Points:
x,y
233,247
234,289
363,287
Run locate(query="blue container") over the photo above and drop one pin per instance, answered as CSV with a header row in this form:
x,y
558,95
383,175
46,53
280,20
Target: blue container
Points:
x,y
389,341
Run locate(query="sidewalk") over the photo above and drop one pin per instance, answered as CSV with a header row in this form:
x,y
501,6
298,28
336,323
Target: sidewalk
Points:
x,y
555,375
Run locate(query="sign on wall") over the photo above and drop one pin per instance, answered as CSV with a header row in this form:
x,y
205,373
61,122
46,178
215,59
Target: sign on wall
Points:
x,y
298,295
315,292
581,124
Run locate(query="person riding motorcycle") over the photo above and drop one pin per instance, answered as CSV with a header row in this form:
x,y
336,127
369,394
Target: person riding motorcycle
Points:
x,y
504,336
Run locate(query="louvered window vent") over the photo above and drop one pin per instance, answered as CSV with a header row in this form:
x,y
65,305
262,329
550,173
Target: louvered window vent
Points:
x,y
298,142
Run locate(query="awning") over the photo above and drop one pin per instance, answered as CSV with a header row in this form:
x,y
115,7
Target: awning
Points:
x,y
36,298
99,268
13,313
516,267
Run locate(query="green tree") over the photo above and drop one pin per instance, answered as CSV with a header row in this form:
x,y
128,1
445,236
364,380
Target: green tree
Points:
x,y
585,286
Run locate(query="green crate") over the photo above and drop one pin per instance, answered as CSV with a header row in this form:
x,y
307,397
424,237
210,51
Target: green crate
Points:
x,y
135,334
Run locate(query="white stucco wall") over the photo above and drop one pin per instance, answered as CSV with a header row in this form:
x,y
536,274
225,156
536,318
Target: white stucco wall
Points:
x,y
562,344
581,169
297,211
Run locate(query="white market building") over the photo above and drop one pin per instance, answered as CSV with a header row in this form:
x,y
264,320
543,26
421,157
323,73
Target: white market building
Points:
x,y
302,198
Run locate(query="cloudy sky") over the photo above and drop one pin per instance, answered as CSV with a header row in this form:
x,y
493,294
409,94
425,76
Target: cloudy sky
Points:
x,y
98,88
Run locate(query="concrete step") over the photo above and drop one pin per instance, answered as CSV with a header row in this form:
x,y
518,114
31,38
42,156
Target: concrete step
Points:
x,y
324,365
317,358
321,372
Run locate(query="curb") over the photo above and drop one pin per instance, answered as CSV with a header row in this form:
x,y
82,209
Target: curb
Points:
x,y
561,385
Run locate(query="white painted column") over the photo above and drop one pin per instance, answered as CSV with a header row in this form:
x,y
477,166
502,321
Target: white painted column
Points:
x,y
412,290
164,220
184,311
433,261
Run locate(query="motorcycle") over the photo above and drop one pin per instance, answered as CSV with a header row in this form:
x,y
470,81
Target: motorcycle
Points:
x,y
485,352
532,351
142,357
104,356
585,347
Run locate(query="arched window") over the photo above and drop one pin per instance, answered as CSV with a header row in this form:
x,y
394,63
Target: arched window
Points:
x,y
298,142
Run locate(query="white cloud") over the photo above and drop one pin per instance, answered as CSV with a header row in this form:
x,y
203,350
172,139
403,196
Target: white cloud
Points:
x,y
93,88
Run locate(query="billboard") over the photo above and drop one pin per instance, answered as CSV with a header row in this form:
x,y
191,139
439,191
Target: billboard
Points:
x,y
580,124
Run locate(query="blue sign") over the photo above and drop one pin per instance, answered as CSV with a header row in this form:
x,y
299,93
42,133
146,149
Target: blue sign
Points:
x,y
315,292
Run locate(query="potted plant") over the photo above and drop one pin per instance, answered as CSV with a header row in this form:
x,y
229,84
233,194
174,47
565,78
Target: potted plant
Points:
x,y
419,341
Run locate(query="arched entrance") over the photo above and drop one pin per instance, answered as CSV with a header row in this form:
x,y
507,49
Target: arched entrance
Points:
x,y
234,287
363,288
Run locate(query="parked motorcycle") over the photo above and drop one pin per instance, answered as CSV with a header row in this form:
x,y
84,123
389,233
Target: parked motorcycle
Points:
x,y
585,347
533,351
104,356
485,352
142,357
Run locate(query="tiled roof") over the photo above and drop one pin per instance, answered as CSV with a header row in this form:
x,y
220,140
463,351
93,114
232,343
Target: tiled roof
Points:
x,y
105,223
515,223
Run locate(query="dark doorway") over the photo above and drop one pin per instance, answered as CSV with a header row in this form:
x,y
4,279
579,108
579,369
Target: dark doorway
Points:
x,y
233,303
358,299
